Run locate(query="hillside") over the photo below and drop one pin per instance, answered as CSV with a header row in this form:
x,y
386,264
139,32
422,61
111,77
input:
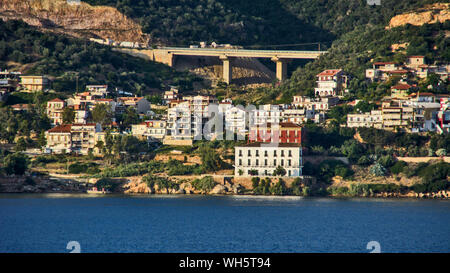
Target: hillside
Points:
x,y
81,20
24,48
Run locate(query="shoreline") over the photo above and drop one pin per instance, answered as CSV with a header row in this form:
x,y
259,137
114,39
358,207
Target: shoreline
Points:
x,y
280,197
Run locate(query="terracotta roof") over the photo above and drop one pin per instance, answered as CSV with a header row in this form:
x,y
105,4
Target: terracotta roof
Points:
x,y
104,99
401,86
383,63
65,128
56,100
400,71
329,72
416,56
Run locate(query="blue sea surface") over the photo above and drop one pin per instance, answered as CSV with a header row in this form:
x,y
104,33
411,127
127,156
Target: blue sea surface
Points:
x,y
179,223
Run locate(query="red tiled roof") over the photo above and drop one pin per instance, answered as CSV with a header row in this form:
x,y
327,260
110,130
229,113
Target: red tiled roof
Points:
x,y
383,63
416,56
329,72
401,86
56,100
400,71
65,128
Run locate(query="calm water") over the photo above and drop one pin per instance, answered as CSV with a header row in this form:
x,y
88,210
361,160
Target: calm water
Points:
x,y
46,223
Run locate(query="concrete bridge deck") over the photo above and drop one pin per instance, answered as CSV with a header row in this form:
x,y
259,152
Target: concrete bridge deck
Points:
x,y
280,57
281,54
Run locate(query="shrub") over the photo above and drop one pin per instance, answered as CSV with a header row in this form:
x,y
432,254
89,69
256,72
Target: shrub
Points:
x,y
398,167
107,184
279,188
205,184
377,169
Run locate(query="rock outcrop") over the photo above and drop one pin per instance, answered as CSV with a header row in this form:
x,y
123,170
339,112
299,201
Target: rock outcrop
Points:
x,y
439,12
79,20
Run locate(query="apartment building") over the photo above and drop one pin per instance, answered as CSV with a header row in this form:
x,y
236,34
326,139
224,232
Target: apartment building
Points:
x,y
267,113
322,104
54,111
259,159
141,104
76,138
373,119
98,90
34,83
186,119
330,83
150,130
398,116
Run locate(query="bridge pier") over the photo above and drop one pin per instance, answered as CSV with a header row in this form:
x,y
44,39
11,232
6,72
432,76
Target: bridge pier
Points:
x,y
227,69
281,68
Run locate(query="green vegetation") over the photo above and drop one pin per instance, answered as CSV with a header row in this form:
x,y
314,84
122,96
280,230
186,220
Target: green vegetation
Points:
x,y
16,163
67,59
78,167
107,184
162,182
205,184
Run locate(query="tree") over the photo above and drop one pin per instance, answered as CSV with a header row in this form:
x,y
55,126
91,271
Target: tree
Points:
x,y
42,139
16,163
68,115
102,114
377,169
21,145
130,117
279,171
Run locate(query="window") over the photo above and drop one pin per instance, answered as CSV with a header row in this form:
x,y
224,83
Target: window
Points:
x,y
265,162
289,163
282,162
274,162
249,153
266,153
240,162
257,162
290,153
274,153
240,152
257,153
248,163
282,152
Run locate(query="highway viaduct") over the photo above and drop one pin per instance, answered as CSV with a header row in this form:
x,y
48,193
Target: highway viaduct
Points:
x,y
168,55
226,56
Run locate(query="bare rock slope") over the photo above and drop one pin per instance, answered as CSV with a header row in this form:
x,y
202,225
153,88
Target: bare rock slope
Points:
x,y
80,20
439,12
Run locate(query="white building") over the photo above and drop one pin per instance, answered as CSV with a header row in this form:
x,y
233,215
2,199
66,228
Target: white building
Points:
x,y
259,159
331,82
373,119
150,130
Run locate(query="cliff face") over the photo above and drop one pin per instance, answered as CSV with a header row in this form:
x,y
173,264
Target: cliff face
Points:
x,y
81,20
428,15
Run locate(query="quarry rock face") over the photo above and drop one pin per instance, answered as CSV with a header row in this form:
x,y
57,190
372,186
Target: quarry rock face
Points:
x,y
429,15
81,20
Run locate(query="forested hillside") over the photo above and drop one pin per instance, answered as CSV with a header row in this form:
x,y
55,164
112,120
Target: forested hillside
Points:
x,y
34,52
262,22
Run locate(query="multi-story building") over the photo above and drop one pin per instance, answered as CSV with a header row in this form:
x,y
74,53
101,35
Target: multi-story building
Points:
x,y
186,119
77,138
373,119
98,90
55,109
8,83
400,90
399,116
331,82
170,95
284,132
259,159
268,113
322,104
34,83
140,104
150,130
